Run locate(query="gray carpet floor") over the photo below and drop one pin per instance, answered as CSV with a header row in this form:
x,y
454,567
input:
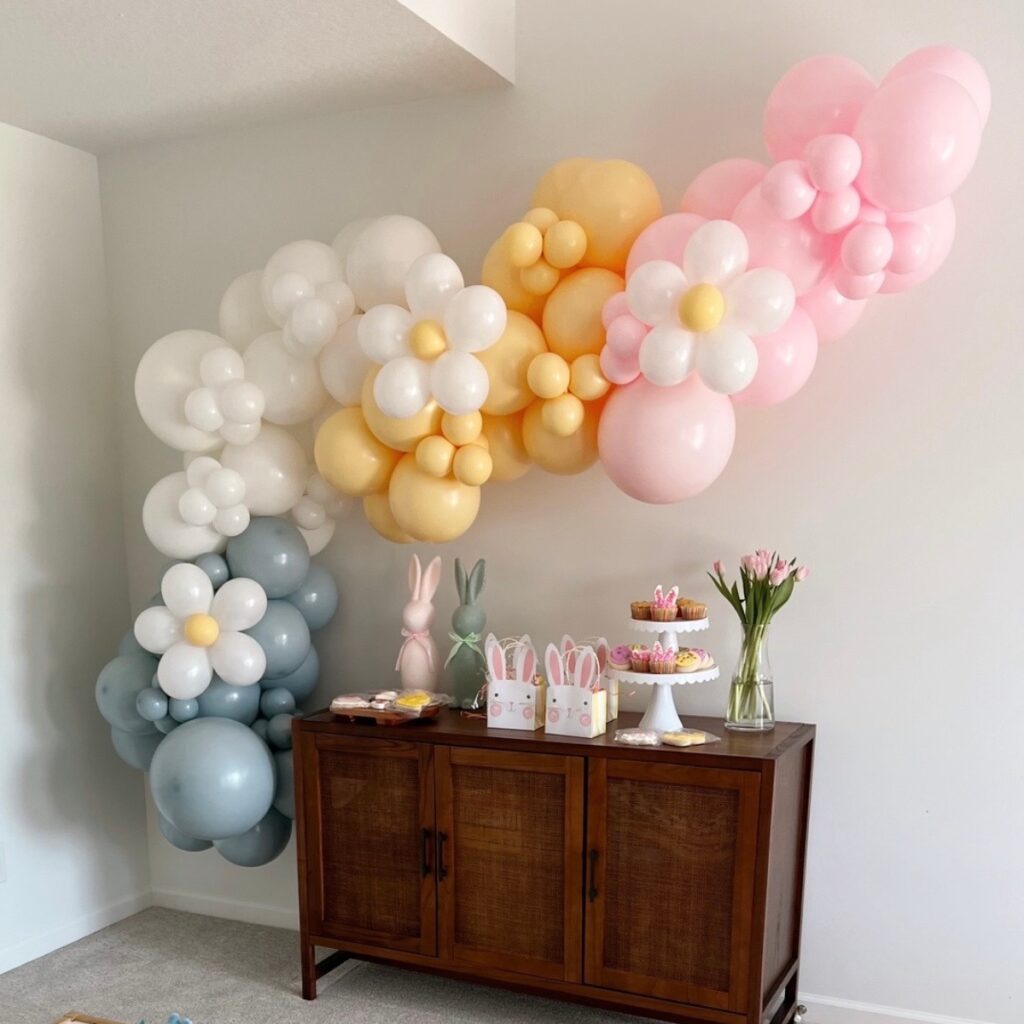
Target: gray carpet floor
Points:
x,y
225,972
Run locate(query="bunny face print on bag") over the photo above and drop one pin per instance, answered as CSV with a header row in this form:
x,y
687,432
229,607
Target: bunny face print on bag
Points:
x,y
514,698
611,686
418,661
577,706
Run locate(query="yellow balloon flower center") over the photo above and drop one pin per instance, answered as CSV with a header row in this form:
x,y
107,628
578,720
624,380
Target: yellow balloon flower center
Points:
x,y
701,308
427,339
201,630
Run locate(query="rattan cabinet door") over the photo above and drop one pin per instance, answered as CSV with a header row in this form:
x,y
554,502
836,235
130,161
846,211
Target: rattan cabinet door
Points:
x,y
369,842
510,856
670,886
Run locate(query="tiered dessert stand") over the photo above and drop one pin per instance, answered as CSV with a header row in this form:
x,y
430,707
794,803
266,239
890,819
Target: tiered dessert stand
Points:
x,y
661,714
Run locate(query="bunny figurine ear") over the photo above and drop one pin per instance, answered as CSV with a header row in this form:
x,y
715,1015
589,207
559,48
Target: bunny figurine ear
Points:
x,y
553,665
415,573
461,583
476,582
495,658
431,580
586,669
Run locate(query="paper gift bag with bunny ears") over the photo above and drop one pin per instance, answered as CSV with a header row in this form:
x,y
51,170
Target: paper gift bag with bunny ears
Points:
x,y
515,693
609,685
577,706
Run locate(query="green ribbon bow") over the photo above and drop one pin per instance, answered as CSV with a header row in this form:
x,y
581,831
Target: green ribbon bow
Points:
x,y
472,642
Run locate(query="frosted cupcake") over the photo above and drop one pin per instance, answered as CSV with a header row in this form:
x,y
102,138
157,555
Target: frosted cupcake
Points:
x,y
663,607
662,661
639,658
691,610
640,609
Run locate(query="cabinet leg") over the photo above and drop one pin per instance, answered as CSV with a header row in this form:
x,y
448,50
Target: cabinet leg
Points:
x,y
308,971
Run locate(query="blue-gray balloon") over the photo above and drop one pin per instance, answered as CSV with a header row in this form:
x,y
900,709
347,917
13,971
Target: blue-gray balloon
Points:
x,y
178,838
284,637
222,700
216,567
317,597
166,725
271,552
302,682
259,727
118,687
129,645
212,778
279,731
183,710
260,844
278,701
284,795
151,704
135,749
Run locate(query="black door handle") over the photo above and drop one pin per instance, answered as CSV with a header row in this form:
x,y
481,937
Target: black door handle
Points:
x,y
425,852
592,894
442,871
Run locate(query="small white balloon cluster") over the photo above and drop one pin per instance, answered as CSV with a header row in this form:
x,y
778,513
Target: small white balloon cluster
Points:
x,y
215,497
226,404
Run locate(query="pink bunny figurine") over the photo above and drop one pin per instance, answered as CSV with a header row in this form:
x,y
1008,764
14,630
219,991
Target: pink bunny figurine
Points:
x,y
514,700
418,660
577,706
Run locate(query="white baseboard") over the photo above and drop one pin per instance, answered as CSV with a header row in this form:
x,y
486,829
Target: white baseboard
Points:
x,y
233,910
826,1010
71,931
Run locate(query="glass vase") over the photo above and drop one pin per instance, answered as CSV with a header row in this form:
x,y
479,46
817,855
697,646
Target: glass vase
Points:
x,y
751,696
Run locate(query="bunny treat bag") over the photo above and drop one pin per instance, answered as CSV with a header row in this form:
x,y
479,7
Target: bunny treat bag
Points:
x,y
576,705
515,696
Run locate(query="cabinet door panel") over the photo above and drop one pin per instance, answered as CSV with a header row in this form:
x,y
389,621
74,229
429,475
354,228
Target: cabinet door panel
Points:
x,y
511,895
670,896
371,810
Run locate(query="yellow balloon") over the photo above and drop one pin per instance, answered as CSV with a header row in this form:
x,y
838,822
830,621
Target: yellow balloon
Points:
x,y
431,510
548,375
499,274
702,308
572,315
434,455
522,244
403,434
563,415
473,465
564,244
427,339
541,217
462,430
507,362
565,455
553,187
586,380
539,278
504,436
349,457
377,510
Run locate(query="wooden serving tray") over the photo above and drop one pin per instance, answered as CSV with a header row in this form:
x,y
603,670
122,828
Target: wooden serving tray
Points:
x,y
372,717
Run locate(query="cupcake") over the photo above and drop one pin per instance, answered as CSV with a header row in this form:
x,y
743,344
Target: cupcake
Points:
x,y
639,658
640,609
692,610
620,658
662,661
663,607
687,660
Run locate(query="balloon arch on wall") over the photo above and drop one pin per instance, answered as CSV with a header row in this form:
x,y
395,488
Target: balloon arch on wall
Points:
x,y
603,329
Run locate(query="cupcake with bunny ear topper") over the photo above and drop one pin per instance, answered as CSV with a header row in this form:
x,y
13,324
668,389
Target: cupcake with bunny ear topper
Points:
x,y
466,658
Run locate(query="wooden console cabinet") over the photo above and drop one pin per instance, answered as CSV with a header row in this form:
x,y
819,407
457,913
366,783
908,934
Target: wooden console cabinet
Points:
x,y
659,881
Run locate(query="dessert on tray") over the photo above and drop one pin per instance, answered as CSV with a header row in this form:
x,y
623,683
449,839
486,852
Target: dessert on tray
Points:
x,y
668,606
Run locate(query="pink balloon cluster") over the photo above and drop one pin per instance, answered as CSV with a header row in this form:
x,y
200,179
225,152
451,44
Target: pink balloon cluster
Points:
x,y
856,203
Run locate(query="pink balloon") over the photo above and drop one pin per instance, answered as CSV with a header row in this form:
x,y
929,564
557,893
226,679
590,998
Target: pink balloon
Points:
x,y
835,211
665,444
715,192
919,137
857,286
793,246
867,248
663,239
625,335
617,368
615,306
785,360
833,161
787,189
939,222
833,314
953,63
819,96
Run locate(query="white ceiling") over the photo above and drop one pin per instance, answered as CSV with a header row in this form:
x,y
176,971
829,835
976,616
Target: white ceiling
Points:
x,y
106,73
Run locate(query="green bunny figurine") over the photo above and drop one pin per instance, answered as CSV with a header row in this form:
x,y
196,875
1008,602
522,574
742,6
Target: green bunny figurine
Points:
x,y
466,658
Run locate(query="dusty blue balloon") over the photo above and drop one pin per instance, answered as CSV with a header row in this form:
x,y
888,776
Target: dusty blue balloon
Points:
x,y
183,710
284,794
271,552
212,778
166,725
279,731
178,838
260,844
134,748
118,687
129,645
302,682
222,700
215,567
278,701
151,704
317,597
259,727
284,637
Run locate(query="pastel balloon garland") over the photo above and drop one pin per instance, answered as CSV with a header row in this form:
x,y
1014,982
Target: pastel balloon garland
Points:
x,y
603,328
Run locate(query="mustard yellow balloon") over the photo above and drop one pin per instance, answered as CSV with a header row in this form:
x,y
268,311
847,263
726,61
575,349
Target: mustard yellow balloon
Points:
x,y
431,510
572,315
201,630
463,429
522,244
541,217
553,188
504,436
377,509
548,375
564,455
507,362
427,339
564,244
563,415
349,457
701,307
499,274
434,455
586,380
473,465
539,278
404,434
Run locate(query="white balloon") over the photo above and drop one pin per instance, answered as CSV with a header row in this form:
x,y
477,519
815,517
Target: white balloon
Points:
x,y
167,531
224,487
666,355
221,366
345,238
291,386
309,513
653,291
241,401
317,540
184,671
726,360
238,659
239,604
759,301
243,316
231,521
240,433
186,590
384,332
313,261
433,280
203,411
198,469
274,469
475,318
380,257
167,372
716,253
402,387
340,296
459,382
157,629
288,291
311,324
344,365
196,508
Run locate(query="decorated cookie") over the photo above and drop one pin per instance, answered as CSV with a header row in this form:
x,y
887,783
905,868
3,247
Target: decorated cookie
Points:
x,y
619,657
687,660
683,737
637,737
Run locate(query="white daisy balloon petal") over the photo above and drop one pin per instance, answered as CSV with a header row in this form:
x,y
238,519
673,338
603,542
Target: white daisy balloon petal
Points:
x,y
667,355
238,659
759,301
239,604
157,629
726,360
653,291
402,388
716,253
227,402
432,281
232,521
459,382
186,590
384,332
475,318
184,671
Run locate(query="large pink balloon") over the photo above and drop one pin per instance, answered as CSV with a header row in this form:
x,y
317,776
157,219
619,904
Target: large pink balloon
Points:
x,y
939,223
953,63
665,444
919,137
715,192
832,314
819,96
785,360
663,239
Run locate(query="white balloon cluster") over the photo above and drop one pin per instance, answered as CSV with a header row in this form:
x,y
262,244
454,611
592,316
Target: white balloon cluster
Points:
x,y
226,404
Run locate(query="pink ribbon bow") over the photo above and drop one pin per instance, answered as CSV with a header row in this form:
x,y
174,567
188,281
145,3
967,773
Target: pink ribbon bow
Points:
x,y
421,637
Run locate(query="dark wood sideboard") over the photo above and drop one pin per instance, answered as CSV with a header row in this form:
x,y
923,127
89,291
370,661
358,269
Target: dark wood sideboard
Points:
x,y
659,881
